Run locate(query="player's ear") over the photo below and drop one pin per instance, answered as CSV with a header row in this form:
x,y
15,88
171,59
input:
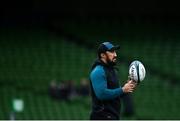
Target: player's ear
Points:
x,y
102,55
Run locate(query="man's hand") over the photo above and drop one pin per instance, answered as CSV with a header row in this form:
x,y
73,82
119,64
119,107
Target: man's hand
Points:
x,y
129,86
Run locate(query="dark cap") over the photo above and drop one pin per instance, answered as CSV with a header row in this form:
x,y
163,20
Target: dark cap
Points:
x,y
106,46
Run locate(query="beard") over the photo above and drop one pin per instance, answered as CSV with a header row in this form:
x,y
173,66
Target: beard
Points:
x,y
111,62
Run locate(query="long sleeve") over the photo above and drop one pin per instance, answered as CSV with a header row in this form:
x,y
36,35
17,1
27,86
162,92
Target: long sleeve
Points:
x,y
99,84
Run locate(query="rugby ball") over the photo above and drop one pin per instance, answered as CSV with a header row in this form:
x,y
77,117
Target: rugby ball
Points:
x,y
137,71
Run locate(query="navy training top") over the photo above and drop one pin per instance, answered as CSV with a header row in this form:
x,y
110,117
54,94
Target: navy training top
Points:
x,y
99,84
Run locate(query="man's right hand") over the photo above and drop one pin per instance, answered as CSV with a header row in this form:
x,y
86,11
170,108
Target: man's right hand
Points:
x,y
129,86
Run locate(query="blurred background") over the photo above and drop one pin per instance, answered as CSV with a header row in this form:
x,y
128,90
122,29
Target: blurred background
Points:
x,y
47,48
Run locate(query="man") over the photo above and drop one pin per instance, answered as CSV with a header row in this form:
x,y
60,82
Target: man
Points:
x,y
105,89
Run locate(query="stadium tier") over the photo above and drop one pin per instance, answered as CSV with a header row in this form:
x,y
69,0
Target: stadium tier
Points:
x,y
31,59
155,44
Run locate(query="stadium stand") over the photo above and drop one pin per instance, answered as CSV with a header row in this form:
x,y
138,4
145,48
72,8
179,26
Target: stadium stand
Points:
x,y
31,58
